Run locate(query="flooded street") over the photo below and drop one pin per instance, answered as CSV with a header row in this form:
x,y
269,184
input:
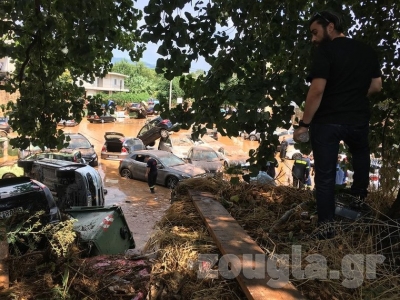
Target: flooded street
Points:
x,y
141,208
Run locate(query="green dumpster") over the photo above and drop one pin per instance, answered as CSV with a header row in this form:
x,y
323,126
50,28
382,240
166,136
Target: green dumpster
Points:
x,y
102,230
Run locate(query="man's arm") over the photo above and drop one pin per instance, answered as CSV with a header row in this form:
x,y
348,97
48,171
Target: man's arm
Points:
x,y
376,86
313,99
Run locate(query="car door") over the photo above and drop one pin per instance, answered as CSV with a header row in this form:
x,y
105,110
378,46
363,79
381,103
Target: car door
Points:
x,y
138,166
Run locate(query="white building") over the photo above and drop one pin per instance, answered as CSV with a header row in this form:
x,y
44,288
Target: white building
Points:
x,y
111,83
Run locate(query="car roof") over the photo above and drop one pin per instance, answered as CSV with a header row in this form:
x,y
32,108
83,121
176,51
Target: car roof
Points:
x,y
203,148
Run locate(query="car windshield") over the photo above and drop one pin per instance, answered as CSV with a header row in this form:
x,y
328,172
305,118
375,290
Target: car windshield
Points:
x,y
78,143
204,155
171,161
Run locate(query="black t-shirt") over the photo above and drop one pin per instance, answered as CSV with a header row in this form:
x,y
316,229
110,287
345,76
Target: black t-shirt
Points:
x,y
348,66
152,164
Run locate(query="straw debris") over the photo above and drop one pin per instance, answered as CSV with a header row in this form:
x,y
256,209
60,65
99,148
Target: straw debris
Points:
x,y
277,218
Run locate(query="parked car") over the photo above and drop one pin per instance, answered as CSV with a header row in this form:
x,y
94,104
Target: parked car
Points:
x,y
164,123
151,107
206,158
252,136
101,119
139,109
155,129
118,147
67,123
22,153
171,169
24,194
177,144
72,184
10,169
79,142
4,125
233,156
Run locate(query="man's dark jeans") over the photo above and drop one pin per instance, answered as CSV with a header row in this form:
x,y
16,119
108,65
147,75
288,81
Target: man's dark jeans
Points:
x,y
325,140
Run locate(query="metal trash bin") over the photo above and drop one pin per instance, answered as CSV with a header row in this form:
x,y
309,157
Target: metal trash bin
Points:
x,y
102,229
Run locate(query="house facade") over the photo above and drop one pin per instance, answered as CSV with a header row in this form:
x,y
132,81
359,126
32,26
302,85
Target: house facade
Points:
x,y
109,84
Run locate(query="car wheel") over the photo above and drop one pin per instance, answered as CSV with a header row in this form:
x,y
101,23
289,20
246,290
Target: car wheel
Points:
x,y
8,175
172,181
152,144
164,133
252,138
94,163
126,173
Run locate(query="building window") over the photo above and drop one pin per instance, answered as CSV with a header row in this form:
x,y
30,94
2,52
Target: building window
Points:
x,y
115,81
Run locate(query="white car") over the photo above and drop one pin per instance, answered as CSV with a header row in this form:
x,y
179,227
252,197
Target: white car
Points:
x,y
178,144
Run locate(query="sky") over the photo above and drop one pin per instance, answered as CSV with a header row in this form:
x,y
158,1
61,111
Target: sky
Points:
x,y
150,56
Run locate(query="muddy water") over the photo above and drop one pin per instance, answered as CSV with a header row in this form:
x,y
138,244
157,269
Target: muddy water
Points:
x,y
141,208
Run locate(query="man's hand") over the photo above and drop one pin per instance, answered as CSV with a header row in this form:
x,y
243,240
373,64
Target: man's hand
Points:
x,y
298,132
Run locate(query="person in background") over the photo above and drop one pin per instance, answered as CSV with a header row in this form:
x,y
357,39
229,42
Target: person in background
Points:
x,y
344,72
151,172
284,146
300,170
271,165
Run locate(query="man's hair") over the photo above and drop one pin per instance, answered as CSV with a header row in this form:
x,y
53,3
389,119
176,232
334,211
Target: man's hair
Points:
x,y
325,17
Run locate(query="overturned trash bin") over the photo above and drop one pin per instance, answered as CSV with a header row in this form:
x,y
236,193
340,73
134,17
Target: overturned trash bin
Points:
x,y
102,229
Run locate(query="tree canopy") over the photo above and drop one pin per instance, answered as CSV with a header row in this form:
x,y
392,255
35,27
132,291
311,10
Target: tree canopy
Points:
x,y
47,37
259,52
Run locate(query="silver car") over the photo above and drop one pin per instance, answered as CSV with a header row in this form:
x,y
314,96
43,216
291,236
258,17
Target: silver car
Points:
x,y
206,158
171,169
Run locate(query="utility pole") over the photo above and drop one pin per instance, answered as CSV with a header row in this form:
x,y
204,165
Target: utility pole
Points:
x,y
170,94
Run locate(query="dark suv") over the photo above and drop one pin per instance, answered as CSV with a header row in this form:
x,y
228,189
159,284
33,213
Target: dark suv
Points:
x,y
80,142
21,194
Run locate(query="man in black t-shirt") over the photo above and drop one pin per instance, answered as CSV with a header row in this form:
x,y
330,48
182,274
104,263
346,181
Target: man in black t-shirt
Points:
x,y
343,74
151,172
